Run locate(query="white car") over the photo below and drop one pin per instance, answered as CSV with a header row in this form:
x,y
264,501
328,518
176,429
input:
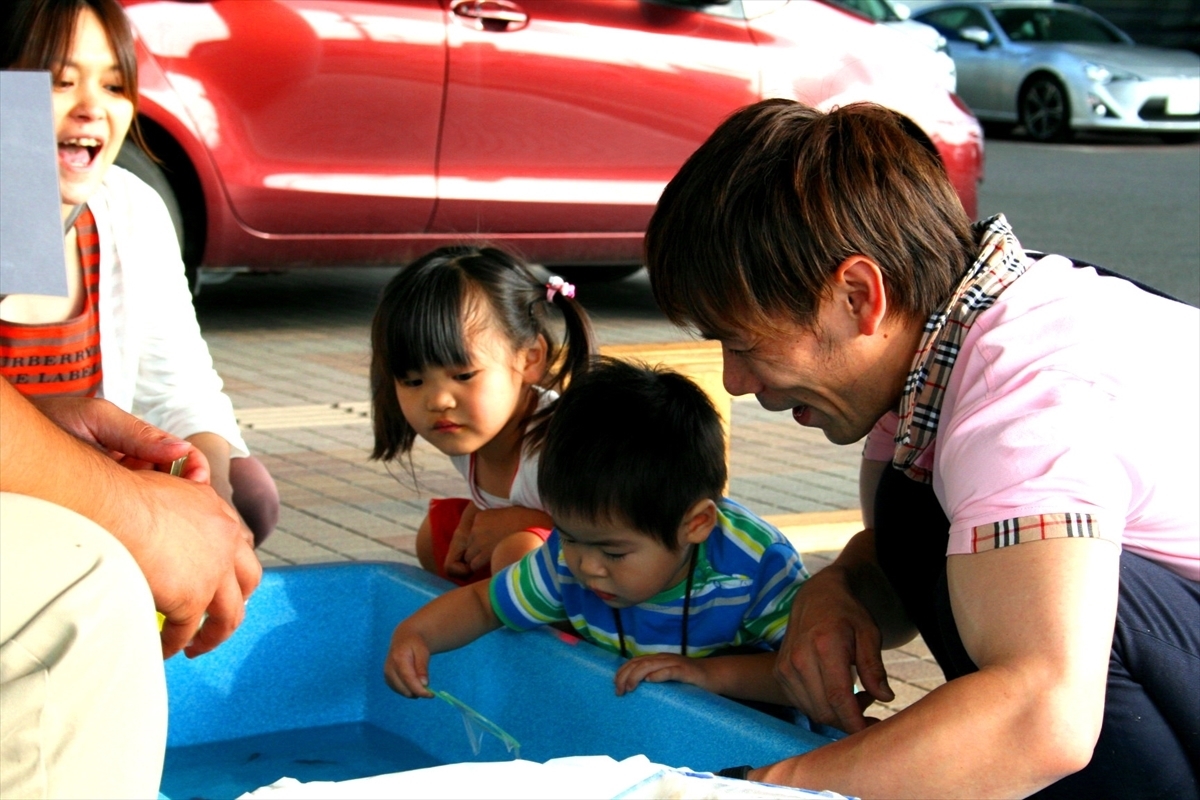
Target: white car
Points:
x,y
897,17
1056,69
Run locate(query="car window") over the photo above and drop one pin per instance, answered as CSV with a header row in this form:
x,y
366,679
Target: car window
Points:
x,y
1053,25
949,21
878,10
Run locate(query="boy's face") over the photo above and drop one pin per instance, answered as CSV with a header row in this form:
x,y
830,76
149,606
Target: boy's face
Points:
x,y
625,567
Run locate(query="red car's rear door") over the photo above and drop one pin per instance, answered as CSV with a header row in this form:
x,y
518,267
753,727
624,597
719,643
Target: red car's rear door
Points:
x,y
571,115
320,116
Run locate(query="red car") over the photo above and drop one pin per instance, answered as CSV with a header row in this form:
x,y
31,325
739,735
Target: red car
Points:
x,y
329,132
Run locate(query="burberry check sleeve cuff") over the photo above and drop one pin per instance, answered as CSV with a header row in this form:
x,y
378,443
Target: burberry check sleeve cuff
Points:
x,y
1032,528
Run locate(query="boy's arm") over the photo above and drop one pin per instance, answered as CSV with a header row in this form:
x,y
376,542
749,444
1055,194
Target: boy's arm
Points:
x,y
744,677
448,622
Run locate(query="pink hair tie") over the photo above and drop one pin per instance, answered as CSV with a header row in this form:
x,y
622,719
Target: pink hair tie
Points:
x,y
556,285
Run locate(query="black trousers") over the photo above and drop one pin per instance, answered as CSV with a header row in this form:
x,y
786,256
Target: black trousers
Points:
x,y
1149,744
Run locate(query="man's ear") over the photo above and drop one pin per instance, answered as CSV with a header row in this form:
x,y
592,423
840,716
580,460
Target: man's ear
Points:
x,y
534,367
859,282
698,522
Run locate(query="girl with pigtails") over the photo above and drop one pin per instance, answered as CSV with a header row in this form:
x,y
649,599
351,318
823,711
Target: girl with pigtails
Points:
x,y
463,355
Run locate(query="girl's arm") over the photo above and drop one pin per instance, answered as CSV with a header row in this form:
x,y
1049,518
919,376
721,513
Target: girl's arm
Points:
x,y
491,526
448,622
744,677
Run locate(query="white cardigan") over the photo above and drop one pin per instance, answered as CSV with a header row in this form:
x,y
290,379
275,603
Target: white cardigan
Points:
x,y
155,363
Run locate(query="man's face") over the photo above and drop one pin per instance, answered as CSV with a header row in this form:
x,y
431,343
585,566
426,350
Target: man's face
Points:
x,y
830,376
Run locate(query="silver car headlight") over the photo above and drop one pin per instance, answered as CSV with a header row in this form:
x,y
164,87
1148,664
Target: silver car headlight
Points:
x,y
1098,73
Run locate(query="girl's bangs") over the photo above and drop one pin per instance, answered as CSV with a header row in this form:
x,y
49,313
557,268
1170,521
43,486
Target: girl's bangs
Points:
x,y
427,330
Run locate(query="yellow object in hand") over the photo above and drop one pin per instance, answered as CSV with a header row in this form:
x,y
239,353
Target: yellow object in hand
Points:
x,y
161,619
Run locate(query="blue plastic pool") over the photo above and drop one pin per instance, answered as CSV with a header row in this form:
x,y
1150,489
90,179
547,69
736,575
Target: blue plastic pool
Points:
x,y
298,692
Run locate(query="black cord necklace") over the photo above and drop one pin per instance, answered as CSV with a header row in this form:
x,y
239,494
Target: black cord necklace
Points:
x,y
687,607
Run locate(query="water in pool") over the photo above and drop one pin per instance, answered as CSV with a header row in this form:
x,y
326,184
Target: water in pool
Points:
x,y
332,753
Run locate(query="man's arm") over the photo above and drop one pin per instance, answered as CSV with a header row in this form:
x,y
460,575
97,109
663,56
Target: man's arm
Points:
x,y
188,543
1037,618
841,620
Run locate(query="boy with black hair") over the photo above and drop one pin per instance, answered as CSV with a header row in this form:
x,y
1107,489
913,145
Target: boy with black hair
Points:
x,y
647,559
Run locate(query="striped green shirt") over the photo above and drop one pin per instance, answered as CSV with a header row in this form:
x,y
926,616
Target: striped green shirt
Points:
x,y
746,576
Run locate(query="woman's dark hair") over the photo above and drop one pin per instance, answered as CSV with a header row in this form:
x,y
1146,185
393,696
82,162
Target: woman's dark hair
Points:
x,y
632,445
420,322
39,34
759,218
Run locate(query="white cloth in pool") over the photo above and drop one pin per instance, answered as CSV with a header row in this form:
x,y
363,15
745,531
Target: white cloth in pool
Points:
x,y
577,777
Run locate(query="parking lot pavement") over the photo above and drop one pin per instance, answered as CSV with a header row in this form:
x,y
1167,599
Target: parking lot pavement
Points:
x,y
293,351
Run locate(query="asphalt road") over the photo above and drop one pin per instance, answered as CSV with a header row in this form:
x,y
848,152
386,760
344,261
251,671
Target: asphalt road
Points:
x,y
1131,205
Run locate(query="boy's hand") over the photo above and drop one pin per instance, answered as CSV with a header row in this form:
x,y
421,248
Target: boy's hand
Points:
x,y
406,668
659,668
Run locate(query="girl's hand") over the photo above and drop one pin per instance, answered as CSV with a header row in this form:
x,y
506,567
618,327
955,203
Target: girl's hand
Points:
x,y
659,668
456,565
406,668
480,531
492,526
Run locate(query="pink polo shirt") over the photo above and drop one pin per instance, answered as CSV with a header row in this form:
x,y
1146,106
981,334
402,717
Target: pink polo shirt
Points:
x,y
1053,415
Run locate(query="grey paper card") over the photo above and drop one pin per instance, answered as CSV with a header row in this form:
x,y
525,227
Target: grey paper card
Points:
x,y
31,234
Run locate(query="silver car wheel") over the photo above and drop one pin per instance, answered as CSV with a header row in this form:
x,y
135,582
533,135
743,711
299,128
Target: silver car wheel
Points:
x,y
1044,110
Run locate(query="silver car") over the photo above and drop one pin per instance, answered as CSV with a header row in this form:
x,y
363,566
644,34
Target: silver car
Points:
x,y
1057,68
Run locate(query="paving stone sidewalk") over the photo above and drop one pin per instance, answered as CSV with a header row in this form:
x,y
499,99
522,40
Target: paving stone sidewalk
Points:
x,y
293,351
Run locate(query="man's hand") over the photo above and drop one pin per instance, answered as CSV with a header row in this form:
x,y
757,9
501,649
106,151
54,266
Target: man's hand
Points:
x,y
830,634
191,547
126,439
659,668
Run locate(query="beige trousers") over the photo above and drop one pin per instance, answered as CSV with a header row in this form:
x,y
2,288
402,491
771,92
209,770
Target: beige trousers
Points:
x,y
83,697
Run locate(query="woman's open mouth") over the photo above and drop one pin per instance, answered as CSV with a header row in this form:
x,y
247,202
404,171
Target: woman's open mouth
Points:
x,y
79,152
801,415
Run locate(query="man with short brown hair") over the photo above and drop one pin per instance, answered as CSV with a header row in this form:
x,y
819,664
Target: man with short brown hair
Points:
x,y
996,389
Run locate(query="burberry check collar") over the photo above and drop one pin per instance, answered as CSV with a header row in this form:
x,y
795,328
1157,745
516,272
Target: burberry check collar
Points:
x,y
1001,261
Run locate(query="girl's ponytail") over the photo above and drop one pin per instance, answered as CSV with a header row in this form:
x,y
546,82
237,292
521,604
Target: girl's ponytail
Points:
x,y
572,359
579,341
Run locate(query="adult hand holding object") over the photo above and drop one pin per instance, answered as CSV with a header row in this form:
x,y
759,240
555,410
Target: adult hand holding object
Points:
x,y
89,550
191,546
131,442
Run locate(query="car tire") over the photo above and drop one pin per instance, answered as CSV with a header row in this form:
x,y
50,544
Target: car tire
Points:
x,y
1182,137
1045,109
134,159
605,273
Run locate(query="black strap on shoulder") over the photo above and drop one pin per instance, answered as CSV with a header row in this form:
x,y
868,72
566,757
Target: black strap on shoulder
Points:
x,y
1108,273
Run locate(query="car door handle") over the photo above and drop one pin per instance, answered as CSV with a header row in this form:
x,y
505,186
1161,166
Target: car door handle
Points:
x,y
491,15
